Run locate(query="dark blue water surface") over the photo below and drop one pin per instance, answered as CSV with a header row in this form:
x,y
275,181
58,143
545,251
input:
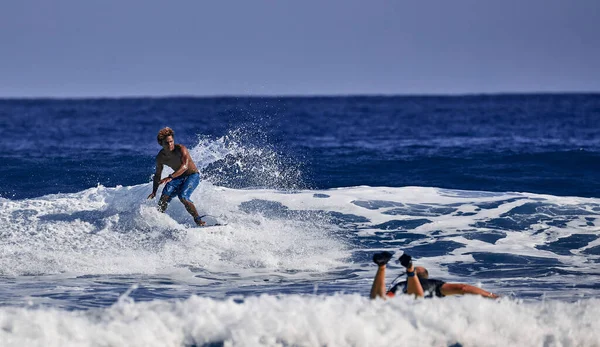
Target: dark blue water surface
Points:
x,y
528,143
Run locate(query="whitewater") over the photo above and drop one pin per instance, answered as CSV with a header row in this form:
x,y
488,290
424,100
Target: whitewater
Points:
x,y
104,267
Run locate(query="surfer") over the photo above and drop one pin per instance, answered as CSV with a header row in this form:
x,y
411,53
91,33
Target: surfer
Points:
x,y
418,282
182,181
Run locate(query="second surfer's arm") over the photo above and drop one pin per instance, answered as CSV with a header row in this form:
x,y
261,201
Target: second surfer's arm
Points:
x,y
413,286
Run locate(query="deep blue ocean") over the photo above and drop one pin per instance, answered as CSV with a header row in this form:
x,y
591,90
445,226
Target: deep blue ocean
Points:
x,y
498,191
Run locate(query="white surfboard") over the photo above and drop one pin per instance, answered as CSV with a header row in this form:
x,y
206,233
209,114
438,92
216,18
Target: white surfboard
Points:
x,y
211,221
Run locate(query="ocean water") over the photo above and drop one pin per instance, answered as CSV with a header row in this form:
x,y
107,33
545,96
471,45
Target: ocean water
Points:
x,y
497,191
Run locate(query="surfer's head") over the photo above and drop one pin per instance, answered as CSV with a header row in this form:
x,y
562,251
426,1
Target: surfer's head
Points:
x,y
163,134
421,272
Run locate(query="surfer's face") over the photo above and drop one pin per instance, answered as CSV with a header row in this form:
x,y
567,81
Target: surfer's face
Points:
x,y
168,144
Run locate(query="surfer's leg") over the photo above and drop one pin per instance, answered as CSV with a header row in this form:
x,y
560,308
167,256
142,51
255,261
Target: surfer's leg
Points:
x,y
189,206
168,191
163,203
191,182
461,288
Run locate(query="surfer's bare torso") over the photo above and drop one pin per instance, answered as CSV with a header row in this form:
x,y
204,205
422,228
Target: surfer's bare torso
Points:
x,y
175,159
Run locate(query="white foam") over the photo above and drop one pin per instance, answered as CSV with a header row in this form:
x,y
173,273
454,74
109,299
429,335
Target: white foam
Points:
x,y
338,320
117,231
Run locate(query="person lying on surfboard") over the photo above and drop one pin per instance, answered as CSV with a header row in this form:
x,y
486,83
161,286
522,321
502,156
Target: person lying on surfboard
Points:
x,y
182,181
417,281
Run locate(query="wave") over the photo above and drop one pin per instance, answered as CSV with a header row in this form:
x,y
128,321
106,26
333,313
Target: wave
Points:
x,y
117,231
515,242
294,320
233,161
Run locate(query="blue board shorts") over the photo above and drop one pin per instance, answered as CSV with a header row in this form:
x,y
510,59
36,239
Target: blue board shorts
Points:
x,y
182,186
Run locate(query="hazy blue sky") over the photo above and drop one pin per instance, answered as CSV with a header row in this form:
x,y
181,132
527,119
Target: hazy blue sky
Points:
x,y
118,48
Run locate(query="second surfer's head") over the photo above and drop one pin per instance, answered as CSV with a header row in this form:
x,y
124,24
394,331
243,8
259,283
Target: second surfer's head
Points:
x,y
421,272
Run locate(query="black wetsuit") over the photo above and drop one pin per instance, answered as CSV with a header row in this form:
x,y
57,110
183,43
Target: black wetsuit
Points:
x,y
431,287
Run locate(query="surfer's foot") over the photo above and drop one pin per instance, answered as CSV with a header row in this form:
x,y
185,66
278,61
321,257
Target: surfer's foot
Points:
x,y
382,258
199,222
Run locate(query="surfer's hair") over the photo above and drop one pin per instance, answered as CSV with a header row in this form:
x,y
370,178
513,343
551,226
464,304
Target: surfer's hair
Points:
x,y
422,272
164,133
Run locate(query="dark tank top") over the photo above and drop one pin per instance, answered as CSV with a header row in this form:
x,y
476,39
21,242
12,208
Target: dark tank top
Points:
x,y
431,287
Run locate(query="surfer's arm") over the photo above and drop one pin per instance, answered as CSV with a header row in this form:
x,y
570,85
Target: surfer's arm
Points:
x,y
185,161
378,287
413,286
461,288
156,179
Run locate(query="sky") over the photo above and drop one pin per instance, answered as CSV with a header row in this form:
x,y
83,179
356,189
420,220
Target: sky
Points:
x,y
74,48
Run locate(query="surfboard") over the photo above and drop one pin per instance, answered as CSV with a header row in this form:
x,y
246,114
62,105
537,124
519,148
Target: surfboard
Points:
x,y
211,221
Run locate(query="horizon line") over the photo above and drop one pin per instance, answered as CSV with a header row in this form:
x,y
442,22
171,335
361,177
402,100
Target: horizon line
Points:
x,y
299,96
